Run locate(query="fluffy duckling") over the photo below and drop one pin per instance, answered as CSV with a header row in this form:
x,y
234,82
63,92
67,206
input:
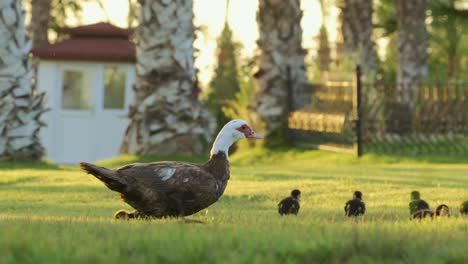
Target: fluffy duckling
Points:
x,y
419,208
464,208
355,206
290,205
417,203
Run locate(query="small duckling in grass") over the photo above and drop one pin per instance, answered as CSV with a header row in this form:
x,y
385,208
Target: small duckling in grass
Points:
x,y
355,206
442,211
464,208
290,205
419,208
417,203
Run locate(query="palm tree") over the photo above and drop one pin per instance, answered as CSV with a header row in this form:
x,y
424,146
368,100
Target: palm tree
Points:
x,y
132,15
166,116
324,51
40,17
412,49
448,34
358,45
281,65
20,105
356,30
225,82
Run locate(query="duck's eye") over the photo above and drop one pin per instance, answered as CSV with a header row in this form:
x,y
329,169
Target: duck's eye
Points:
x,y
243,126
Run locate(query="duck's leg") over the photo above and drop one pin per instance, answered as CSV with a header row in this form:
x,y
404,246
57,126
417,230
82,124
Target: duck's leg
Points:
x,y
177,204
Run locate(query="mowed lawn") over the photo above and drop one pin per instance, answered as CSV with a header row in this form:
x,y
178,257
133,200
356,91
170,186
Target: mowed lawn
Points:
x,y
58,214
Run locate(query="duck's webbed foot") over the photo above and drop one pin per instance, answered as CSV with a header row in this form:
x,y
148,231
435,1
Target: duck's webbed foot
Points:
x,y
126,215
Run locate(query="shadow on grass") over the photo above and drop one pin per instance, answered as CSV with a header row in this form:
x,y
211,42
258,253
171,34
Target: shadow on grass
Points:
x,y
276,176
275,156
68,189
38,165
245,198
68,210
111,163
259,155
18,181
372,156
421,158
448,151
398,181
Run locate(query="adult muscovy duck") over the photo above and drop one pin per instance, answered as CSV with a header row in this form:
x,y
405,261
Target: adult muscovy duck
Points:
x,y
172,189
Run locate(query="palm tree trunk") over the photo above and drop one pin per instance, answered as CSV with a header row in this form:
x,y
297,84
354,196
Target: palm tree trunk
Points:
x,y
166,116
281,65
412,49
40,22
132,15
20,105
356,29
324,51
323,57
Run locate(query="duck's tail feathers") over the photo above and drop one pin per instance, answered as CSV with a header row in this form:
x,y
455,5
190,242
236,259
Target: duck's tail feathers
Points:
x,y
107,176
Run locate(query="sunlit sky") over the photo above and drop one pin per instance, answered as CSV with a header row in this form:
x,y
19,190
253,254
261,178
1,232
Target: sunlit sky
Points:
x,y
210,14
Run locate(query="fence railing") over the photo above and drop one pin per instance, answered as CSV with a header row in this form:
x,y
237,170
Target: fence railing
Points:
x,y
375,117
437,108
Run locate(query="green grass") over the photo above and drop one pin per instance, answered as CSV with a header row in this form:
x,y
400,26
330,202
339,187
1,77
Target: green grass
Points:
x,y
57,214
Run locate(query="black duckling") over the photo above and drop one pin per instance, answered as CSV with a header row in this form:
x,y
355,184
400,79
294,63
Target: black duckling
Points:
x,y
290,205
419,208
464,208
356,206
417,203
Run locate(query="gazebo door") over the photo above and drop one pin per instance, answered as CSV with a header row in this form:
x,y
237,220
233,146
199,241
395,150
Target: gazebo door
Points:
x,y
75,130
111,109
90,111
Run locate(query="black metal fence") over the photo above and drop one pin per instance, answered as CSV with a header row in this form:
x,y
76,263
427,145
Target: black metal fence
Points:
x,y
345,114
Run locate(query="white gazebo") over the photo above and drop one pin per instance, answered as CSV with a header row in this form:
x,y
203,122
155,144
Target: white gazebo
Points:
x,y
87,79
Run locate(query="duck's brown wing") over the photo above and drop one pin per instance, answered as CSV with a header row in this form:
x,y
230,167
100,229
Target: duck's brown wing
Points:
x,y
168,188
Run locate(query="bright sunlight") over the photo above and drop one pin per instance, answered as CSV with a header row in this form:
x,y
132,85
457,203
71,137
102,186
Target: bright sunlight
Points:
x,y
209,16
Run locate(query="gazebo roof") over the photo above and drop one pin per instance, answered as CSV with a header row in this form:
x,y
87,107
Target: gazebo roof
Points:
x,y
101,42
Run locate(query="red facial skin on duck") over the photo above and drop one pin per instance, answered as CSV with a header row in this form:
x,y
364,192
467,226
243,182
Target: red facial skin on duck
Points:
x,y
248,132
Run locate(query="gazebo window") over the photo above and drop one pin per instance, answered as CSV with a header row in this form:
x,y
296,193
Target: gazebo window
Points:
x,y
114,88
76,91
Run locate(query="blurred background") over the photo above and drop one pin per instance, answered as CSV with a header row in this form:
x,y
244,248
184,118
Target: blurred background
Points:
x,y
91,79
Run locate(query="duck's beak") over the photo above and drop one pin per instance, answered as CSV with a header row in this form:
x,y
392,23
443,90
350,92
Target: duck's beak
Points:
x,y
254,135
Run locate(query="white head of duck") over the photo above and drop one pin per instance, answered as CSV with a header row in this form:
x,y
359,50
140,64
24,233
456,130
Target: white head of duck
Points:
x,y
232,132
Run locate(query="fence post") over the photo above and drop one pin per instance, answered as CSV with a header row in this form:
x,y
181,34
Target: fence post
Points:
x,y
358,112
289,84
289,105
